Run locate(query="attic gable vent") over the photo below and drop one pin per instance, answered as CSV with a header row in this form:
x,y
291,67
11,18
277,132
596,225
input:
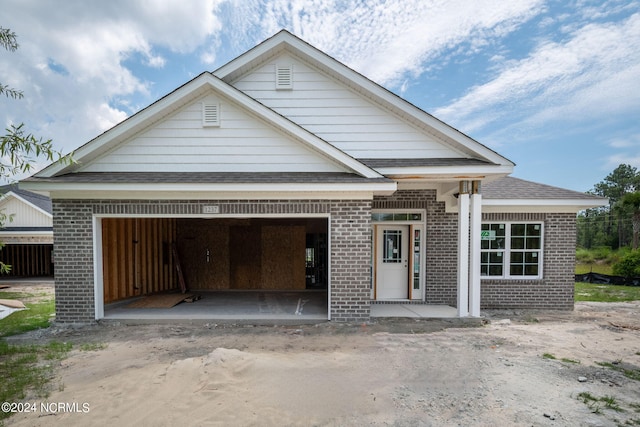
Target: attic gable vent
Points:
x,y
284,77
210,114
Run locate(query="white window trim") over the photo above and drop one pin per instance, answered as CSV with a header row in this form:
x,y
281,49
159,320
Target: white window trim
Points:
x,y
507,252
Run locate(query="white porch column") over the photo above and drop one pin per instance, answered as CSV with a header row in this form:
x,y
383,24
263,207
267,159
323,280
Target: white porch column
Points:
x,y
463,250
474,256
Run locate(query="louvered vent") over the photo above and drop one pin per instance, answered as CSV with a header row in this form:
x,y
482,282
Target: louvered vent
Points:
x,y
284,76
210,114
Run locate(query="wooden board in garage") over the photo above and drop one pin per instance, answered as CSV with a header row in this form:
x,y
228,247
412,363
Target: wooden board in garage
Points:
x,y
283,252
137,256
243,253
203,246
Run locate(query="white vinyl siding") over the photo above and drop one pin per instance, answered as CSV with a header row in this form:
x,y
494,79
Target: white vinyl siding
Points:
x,y
340,116
242,143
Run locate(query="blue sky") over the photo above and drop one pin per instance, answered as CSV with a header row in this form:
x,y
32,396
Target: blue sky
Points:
x,y
552,85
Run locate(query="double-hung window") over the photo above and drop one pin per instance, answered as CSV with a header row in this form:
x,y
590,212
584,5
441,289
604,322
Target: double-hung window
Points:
x,y
511,250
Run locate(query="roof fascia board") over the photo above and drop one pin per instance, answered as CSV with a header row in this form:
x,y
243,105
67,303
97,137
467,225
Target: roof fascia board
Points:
x,y
583,203
357,80
154,190
25,201
572,206
443,171
539,205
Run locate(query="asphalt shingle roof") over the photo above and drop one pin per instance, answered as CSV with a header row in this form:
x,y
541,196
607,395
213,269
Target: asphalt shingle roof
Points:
x,y
516,188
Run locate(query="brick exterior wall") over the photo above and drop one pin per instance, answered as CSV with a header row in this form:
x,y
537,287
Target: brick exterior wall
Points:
x,y
351,260
351,250
350,230
553,291
73,255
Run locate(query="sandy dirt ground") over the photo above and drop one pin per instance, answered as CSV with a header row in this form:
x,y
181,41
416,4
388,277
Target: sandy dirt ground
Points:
x,y
387,373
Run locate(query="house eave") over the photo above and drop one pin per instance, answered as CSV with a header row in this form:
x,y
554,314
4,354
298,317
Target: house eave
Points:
x,y
539,205
445,173
226,191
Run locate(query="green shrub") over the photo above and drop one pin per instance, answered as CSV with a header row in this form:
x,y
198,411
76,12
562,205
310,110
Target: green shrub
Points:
x,y
628,265
585,256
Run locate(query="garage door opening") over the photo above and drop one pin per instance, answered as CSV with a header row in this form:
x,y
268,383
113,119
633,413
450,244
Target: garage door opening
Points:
x,y
27,261
243,268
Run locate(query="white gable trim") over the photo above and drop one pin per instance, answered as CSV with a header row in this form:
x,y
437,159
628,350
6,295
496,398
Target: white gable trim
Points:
x,y
189,92
285,40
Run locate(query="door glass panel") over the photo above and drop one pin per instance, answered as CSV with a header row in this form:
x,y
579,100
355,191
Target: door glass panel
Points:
x,y
392,251
416,259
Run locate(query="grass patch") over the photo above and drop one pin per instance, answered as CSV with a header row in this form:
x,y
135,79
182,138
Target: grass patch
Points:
x,y
93,346
37,316
633,374
584,268
606,293
564,359
27,370
595,403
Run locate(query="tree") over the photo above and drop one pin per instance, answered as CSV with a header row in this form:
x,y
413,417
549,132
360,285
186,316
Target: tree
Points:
x,y
632,202
610,225
624,179
20,150
9,41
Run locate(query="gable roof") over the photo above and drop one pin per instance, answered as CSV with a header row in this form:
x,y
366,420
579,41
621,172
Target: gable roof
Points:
x,y
189,92
284,40
28,214
36,201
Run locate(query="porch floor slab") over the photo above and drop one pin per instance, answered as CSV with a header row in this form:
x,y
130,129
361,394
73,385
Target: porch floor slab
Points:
x,y
422,311
300,306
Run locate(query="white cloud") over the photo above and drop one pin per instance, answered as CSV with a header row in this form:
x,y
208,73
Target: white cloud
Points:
x,y
626,142
619,159
592,75
70,63
385,40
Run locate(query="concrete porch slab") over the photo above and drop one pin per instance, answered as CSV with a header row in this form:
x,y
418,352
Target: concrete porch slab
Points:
x,y
421,311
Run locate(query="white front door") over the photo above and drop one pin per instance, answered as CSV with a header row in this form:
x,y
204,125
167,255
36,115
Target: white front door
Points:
x,y
392,262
